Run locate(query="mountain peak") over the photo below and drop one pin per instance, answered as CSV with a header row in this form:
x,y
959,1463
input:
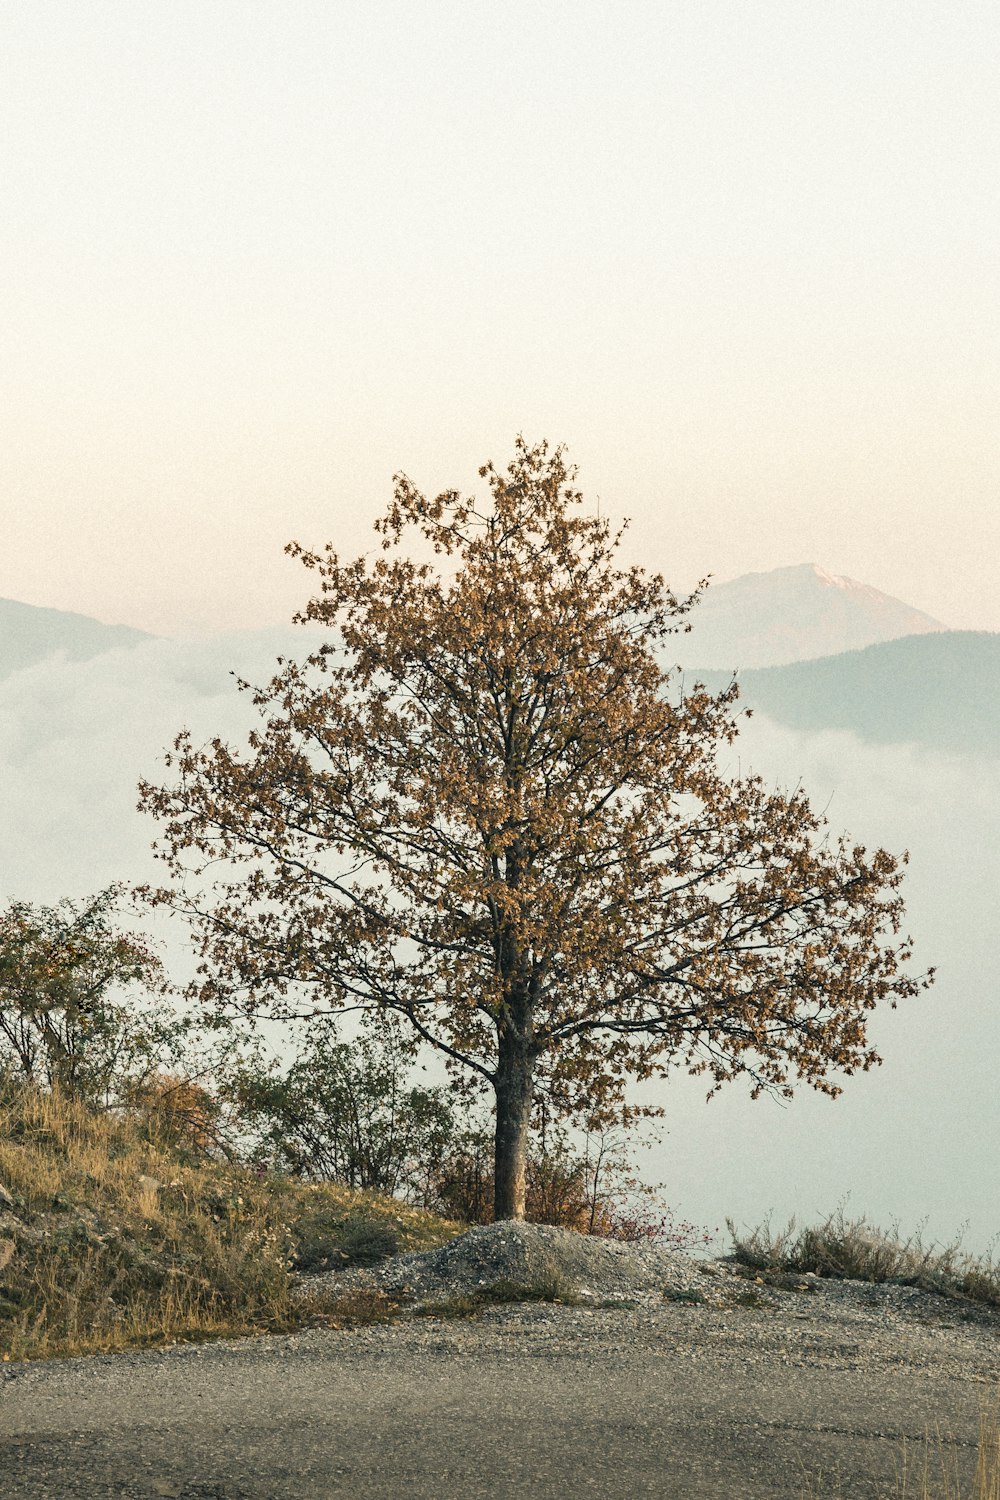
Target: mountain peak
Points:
x,y
834,580
795,613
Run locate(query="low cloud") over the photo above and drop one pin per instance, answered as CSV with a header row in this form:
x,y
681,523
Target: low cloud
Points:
x,y
76,738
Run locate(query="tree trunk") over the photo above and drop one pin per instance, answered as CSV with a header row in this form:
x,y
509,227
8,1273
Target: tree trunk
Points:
x,y
514,1086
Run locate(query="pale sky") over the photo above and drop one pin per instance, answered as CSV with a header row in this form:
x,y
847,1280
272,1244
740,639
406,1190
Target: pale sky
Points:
x,y
255,257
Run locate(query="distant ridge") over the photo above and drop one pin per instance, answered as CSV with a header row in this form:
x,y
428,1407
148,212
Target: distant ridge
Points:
x,y
29,634
940,691
793,614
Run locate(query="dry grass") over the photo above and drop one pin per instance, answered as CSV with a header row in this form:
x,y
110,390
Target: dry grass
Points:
x,y
859,1251
935,1473
855,1250
938,1469
547,1286
117,1239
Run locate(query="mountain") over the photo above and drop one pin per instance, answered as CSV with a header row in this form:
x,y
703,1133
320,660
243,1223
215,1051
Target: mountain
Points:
x,y
29,634
941,691
793,614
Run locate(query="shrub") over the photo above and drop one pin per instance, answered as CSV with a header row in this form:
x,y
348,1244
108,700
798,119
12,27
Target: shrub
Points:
x,y
331,1241
345,1112
177,1111
82,1006
593,1190
557,1187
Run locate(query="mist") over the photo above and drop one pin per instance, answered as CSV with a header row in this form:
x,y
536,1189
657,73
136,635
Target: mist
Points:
x,y
914,1140
911,1141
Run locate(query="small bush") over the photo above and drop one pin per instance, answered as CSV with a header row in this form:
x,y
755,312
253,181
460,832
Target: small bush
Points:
x,y
177,1111
345,1112
458,1305
325,1241
360,1307
557,1188
680,1294
83,1006
593,1190
547,1286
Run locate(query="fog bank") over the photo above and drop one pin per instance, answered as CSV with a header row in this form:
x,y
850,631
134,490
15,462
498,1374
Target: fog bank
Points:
x,y
914,1138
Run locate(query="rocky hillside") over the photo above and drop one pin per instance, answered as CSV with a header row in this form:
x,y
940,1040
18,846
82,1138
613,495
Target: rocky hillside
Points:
x,y
113,1234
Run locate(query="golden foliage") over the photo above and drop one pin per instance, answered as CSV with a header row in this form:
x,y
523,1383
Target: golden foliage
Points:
x,y
485,804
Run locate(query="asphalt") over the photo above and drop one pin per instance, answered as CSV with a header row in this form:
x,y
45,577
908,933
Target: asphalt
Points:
x,y
328,1414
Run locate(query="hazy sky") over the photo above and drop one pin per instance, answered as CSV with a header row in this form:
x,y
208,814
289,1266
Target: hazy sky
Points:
x,y
741,257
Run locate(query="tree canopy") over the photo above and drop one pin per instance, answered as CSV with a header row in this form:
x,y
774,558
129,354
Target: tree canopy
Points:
x,y
488,805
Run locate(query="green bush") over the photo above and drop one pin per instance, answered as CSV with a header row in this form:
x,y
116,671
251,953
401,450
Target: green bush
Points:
x,y
345,1111
82,1006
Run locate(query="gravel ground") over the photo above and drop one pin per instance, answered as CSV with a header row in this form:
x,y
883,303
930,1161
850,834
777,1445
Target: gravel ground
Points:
x,y
598,1273
592,1269
632,1293
724,1388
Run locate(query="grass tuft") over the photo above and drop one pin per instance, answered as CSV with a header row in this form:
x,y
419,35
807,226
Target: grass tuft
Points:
x,y
547,1286
855,1250
939,1468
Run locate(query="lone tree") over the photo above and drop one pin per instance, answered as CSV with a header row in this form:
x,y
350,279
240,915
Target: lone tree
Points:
x,y
484,805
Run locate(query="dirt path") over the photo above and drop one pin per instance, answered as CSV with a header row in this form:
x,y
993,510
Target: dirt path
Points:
x,y
530,1401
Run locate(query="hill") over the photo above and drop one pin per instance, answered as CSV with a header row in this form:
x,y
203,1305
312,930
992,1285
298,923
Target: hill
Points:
x,y
29,634
114,1233
794,614
941,691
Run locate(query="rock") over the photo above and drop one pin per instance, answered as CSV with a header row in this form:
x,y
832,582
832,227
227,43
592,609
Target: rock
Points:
x,y
6,1198
22,1234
